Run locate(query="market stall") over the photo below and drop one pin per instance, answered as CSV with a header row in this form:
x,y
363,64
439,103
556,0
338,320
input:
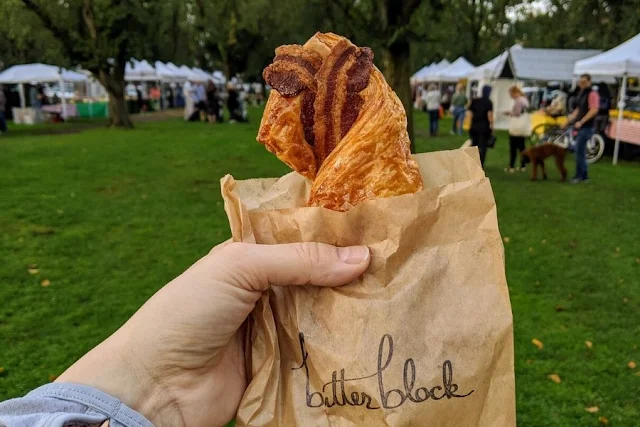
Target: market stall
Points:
x,y
518,65
622,61
41,73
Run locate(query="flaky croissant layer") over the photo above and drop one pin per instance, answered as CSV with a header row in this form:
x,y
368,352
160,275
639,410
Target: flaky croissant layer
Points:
x,y
332,117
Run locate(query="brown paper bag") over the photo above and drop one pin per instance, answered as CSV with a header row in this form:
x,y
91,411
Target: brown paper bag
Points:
x,y
424,338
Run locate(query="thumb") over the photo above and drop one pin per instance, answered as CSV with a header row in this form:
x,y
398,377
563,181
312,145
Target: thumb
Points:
x,y
256,267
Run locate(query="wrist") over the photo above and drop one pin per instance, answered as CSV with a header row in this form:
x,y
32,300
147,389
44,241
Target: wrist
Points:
x,y
112,368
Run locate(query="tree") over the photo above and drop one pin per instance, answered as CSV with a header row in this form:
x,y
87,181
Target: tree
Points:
x,y
391,25
101,36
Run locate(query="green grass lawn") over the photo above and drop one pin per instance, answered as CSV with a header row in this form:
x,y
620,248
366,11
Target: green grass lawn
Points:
x,y
109,216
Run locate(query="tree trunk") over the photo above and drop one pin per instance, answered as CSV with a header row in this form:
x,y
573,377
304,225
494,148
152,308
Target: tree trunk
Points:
x,y
397,70
118,111
115,86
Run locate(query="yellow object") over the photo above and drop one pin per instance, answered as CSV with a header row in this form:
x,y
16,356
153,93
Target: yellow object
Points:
x,y
539,117
626,114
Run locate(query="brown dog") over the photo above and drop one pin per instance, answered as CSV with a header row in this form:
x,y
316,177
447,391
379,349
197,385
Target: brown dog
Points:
x,y
536,155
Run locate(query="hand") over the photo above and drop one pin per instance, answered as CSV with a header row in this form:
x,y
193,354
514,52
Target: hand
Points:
x,y
577,125
180,359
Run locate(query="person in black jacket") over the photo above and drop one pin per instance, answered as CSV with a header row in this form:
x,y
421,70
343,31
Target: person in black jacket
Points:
x,y
481,112
583,120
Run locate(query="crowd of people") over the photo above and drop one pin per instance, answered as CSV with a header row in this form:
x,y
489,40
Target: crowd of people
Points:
x,y
585,105
207,103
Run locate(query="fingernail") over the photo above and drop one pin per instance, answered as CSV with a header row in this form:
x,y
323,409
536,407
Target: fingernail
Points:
x,y
353,254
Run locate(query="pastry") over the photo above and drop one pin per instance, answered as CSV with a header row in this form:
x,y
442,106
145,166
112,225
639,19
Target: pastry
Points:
x,y
332,117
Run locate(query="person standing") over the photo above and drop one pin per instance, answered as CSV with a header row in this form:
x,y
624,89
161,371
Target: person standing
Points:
x,y
201,100
432,100
187,92
583,120
155,95
516,136
212,102
3,107
234,104
481,112
458,103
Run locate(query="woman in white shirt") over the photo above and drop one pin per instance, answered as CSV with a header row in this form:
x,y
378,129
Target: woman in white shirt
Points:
x,y
432,100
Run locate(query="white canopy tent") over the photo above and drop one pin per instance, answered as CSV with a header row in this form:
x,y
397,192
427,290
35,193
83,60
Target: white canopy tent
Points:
x,y
491,73
621,61
192,74
43,73
546,64
204,75
426,74
422,71
169,74
455,71
139,71
492,69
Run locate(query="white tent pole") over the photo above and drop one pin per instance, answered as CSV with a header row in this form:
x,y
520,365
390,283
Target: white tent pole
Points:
x,y
64,101
621,99
23,101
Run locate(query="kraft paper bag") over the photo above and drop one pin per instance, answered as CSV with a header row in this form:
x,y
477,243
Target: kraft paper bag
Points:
x,y
424,338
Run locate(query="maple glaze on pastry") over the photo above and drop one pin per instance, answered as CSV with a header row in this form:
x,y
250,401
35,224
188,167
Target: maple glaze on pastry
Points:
x,y
332,117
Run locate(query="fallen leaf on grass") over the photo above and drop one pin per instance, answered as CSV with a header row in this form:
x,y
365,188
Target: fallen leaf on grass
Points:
x,y
530,249
45,283
632,365
555,378
603,420
589,344
33,271
559,308
592,409
544,241
625,300
52,377
507,240
537,343
637,260
621,280
618,250
529,361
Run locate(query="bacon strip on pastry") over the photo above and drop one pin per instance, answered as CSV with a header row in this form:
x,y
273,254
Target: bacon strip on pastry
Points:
x,y
344,73
287,124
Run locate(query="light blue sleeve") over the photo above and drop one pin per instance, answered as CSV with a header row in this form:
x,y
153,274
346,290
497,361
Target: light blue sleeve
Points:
x,y
57,404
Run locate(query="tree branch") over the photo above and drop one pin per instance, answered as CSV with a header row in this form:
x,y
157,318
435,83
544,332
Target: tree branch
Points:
x,y
89,20
58,32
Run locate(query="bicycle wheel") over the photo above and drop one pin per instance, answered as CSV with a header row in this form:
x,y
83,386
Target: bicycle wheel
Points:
x,y
595,148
